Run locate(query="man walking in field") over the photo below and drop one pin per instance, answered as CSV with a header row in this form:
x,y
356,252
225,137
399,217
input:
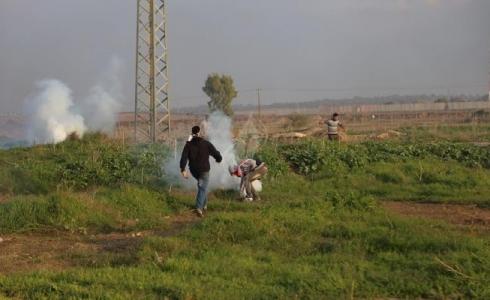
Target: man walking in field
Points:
x,y
333,127
197,151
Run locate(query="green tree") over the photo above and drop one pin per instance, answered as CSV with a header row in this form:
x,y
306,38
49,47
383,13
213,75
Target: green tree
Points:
x,y
221,90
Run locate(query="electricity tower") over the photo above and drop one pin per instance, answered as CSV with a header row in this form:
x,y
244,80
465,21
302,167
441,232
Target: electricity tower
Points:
x,y
152,110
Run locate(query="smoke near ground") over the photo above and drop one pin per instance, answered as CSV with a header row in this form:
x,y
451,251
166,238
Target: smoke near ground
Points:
x,y
53,114
219,133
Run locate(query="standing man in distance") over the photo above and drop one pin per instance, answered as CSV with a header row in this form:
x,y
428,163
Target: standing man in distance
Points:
x,y
197,151
333,127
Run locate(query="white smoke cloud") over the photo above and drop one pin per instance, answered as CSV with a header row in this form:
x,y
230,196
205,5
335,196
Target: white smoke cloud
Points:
x,y
219,133
53,114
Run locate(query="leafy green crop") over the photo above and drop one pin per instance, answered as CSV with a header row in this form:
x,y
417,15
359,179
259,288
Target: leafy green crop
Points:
x,y
313,156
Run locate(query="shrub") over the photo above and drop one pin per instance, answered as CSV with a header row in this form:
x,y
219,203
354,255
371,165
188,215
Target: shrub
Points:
x,y
269,154
306,158
78,164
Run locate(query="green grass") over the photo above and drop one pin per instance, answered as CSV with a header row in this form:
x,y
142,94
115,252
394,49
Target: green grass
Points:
x,y
297,243
103,210
423,180
319,235
429,172
78,165
455,133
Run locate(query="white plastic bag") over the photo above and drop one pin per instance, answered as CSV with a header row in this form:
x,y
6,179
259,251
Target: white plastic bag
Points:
x,y
257,185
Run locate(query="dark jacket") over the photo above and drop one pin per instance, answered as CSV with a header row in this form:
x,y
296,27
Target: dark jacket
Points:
x,y
197,152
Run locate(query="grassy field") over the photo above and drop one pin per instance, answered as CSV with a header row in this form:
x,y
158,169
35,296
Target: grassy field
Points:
x,y
471,132
320,232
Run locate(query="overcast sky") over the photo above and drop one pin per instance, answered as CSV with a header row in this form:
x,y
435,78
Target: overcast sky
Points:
x,y
296,50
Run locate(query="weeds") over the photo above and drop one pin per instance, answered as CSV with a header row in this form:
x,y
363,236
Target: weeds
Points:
x,y
318,232
351,200
131,208
79,164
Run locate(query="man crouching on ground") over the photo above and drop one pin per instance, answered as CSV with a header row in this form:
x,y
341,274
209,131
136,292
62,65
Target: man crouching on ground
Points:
x,y
249,170
197,151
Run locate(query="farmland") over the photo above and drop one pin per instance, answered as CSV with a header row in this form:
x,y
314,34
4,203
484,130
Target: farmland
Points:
x,y
156,149
104,223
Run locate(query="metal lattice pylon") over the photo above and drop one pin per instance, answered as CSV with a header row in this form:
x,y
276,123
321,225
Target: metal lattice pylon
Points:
x,y
152,111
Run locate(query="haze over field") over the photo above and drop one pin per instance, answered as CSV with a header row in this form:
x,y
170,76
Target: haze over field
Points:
x,y
290,48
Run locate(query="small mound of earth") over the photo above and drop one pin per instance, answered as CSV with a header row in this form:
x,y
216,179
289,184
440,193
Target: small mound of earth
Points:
x,y
463,215
389,134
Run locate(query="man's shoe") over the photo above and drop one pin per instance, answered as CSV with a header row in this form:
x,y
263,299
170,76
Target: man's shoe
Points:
x,y
249,199
199,213
205,208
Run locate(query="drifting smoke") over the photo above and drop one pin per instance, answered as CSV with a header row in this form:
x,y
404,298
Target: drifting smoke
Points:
x,y
100,107
218,130
100,110
53,114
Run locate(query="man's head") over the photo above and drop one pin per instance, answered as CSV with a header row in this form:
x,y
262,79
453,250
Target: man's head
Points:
x,y
335,116
196,130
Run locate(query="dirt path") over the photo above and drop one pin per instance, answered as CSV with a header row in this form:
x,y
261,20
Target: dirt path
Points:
x,y
56,251
467,216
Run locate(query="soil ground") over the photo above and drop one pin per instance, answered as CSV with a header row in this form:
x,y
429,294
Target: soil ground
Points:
x,y
467,216
56,251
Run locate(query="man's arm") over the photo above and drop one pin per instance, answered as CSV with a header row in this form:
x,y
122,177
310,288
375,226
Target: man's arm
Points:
x,y
215,153
184,158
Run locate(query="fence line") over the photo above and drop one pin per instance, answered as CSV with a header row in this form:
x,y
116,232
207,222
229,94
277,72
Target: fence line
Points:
x,y
379,108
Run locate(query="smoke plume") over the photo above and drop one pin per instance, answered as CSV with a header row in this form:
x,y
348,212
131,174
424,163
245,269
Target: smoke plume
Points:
x,y
53,114
219,133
